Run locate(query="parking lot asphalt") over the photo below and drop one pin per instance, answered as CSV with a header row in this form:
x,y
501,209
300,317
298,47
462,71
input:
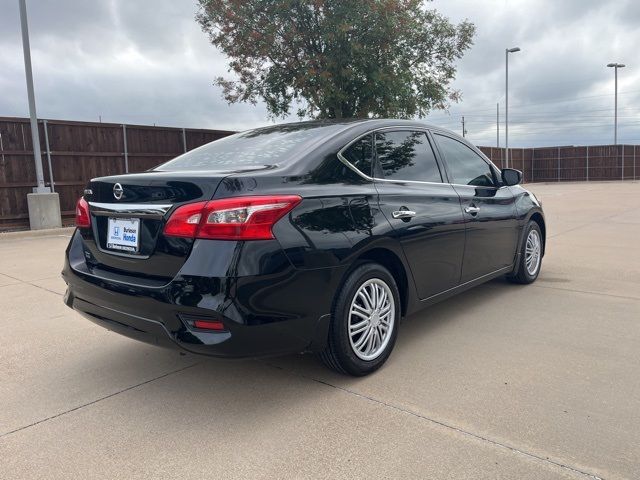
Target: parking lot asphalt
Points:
x,y
503,381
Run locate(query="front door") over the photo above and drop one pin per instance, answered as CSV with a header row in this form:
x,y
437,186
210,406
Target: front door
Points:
x,y
489,209
424,211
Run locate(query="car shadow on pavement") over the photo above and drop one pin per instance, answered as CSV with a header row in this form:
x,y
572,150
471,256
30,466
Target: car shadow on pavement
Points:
x,y
155,379
141,371
414,329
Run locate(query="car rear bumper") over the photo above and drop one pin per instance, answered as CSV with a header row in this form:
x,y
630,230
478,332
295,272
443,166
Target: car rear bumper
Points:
x,y
273,314
138,328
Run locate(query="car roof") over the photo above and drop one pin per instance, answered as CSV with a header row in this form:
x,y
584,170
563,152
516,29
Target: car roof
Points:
x,y
348,123
352,126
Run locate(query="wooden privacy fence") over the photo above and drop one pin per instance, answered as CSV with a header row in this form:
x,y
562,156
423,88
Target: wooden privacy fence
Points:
x,y
75,152
571,163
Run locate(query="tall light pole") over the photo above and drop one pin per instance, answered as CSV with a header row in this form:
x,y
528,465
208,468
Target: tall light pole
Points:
x,y
35,136
506,101
43,205
616,66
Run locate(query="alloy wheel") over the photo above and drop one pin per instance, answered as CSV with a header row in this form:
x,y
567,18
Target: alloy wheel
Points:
x,y
371,319
532,252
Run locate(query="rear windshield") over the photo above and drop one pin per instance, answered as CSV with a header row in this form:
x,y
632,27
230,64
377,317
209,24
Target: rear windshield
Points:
x,y
261,147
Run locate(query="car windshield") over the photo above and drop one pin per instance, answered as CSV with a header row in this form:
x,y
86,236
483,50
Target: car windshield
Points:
x,y
260,147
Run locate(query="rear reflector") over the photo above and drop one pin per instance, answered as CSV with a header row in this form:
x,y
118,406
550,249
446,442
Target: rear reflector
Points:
x,y
208,325
83,219
239,218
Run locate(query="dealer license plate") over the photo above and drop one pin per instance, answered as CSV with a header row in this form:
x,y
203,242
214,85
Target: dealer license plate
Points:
x,y
124,234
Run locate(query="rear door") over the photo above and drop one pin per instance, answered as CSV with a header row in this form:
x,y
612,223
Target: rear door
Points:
x,y
489,209
423,210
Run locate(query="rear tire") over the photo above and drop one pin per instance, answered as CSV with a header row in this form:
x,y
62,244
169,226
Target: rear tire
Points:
x,y
530,258
364,321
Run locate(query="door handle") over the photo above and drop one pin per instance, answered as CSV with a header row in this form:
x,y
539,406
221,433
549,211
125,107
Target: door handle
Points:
x,y
472,210
403,214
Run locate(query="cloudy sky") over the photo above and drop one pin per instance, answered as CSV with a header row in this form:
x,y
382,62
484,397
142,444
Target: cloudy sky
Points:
x,y
148,62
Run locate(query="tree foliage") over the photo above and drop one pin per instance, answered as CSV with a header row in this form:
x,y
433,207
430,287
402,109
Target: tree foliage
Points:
x,y
337,58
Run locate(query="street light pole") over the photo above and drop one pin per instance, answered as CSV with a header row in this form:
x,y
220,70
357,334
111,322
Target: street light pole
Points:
x,y
506,103
43,205
616,66
35,136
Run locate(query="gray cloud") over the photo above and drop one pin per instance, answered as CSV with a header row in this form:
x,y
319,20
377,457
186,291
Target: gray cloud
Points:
x,y
131,62
560,89
148,62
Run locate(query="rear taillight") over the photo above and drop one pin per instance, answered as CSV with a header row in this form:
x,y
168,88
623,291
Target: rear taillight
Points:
x,y
83,219
240,218
185,220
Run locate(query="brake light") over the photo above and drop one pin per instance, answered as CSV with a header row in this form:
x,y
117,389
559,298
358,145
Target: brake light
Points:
x,y
83,219
239,218
185,220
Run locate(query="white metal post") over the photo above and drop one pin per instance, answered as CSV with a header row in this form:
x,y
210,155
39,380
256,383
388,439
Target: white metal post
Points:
x,y
615,114
184,139
615,67
46,142
506,108
35,135
506,101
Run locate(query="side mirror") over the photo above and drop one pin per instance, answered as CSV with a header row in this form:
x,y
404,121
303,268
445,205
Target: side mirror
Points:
x,y
511,176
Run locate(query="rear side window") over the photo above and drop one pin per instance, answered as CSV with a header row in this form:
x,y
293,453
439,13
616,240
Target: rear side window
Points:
x,y
407,155
360,154
465,165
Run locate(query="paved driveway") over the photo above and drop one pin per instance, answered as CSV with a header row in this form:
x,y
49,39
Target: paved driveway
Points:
x,y
504,381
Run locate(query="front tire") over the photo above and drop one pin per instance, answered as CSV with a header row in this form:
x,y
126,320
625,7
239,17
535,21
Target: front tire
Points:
x,y
364,321
530,259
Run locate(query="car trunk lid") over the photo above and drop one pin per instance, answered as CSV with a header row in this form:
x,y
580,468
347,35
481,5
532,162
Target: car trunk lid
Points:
x,y
136,207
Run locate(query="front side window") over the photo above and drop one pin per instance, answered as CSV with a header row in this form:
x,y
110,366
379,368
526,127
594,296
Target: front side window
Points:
x,y
360,154
407,155
465,165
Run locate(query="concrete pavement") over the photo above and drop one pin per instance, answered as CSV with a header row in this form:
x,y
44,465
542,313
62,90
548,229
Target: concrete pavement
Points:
x,y
503,381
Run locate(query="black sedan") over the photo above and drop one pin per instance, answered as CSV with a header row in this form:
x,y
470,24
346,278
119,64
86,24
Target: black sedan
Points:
x,y
306,237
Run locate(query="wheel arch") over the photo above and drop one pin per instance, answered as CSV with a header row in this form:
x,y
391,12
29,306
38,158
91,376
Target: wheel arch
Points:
x,y
392,262
539,219
386,256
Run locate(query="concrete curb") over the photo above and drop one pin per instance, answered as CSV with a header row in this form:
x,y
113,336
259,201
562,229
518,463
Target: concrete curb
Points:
x,y
49,232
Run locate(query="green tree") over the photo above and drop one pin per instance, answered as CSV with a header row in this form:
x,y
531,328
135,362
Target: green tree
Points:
x,y
337,58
